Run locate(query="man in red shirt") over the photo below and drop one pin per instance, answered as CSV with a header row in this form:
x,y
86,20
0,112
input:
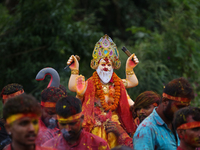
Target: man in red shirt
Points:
x,y
187,124
47,123
21,114
70,119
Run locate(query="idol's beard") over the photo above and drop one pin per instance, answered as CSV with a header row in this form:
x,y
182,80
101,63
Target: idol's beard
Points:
x,y
105,76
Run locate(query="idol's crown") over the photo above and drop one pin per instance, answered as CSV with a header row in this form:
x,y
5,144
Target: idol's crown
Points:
x,y
105,47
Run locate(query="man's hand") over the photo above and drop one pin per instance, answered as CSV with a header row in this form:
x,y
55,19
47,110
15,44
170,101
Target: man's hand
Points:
x,y
131,62
73,62
114,127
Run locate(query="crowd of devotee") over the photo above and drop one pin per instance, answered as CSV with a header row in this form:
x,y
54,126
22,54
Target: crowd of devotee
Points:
x,y
102,115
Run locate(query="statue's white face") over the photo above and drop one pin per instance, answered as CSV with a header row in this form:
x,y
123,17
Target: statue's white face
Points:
x,y
105,70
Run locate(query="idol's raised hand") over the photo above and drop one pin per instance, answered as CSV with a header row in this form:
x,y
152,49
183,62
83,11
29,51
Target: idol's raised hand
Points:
x,y
131,62
80,85
73,62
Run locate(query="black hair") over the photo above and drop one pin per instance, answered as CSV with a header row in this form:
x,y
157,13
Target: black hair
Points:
x,y
179,87
68,106
63,88
11,88
52,94
23,103
182,114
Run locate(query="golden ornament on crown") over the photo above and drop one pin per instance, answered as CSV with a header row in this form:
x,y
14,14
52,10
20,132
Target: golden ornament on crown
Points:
x,y
105,47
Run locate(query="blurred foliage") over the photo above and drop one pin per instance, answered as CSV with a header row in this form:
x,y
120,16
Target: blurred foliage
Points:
x,y
44,33
171,52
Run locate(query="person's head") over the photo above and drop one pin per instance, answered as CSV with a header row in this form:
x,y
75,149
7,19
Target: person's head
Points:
x,y
187,124
105,58
21,114
11,90
63,88
49,98
144,104
70,117
177,94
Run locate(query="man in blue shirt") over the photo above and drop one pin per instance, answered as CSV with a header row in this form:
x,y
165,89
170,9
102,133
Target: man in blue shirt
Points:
x,y
157,131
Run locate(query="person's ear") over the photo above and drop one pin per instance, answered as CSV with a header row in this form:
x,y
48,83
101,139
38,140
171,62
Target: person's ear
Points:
x,y
181,133
8,128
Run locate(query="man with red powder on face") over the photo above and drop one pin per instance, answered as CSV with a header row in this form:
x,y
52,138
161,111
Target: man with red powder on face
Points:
x,y
47,123
70,119
157,131
187,124
21,114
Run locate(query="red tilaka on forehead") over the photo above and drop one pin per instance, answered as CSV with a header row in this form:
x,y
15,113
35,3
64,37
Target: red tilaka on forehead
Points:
x,y
106,60
190,125
179,99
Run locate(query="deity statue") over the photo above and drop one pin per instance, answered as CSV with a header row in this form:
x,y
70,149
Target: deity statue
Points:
x,y
104,96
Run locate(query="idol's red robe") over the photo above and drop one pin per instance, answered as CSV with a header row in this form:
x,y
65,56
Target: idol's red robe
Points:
x,y
45,134
86,141
36,148
123,111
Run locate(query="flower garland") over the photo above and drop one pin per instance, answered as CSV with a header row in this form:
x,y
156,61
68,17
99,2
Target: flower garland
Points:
x,y
100,93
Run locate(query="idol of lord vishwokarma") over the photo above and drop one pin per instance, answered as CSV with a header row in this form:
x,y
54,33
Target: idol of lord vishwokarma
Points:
x,y
104,96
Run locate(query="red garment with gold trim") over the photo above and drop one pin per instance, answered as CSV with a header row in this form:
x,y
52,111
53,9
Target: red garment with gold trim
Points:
x,y
86,141
123,111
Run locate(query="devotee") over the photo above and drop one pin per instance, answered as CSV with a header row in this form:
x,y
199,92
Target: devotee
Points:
x,y
47,123
104,95
144,105
70,119
21,114
63,88
157,130
187,124
9,91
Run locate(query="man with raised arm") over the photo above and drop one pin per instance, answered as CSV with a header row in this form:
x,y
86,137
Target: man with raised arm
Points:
x,y
104,95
